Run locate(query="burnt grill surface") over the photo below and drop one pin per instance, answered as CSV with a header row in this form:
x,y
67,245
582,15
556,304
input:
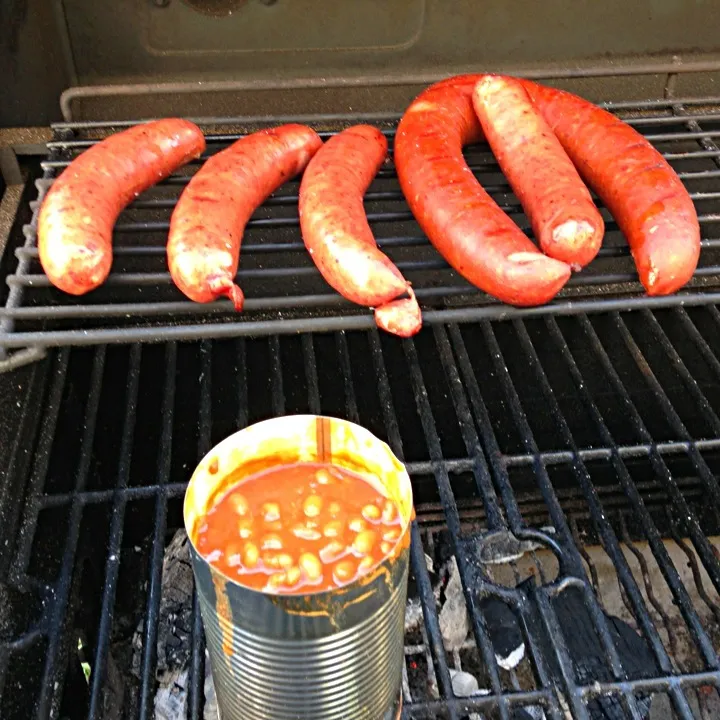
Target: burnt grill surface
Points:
x,y
596,438
284,291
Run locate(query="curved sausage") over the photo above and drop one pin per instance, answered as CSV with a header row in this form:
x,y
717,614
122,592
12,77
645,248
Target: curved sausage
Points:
x,y
639,187
461,220
78,213
644,194
336,231
208,222
564,218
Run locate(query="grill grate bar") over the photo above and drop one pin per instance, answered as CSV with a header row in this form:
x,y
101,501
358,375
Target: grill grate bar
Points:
x,y
311,376
573,561
630,591
53,671
481,471
690,521
494,522
452,518
583,478
156,279
651,532
692,562
197,638
112,567
417,557
149,648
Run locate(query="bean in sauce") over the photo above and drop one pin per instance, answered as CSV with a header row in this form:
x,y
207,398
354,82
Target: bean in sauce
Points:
x,y
299,528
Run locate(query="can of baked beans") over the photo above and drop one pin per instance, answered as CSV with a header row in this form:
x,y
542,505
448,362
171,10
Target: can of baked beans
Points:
x,y
319,654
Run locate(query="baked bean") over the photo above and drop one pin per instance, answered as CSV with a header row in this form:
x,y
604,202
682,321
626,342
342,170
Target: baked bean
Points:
x,y
303,532
270,511
344,571
271,541
312,506
245,528
333,529
332,551
323,477
233,554
239,503
276,580
251,555
270,560
299,528
389,512
364,541
371,513
311,565
285,560
357,524
293,576
391,535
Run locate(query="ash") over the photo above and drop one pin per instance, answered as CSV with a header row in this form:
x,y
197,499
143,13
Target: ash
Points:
x,y
174,638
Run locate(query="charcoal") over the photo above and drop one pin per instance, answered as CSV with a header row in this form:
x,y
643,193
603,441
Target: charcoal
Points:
x,y
505,633
175,623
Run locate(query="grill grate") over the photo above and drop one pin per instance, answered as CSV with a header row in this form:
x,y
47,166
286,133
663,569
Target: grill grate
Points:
x,y
285,292
593,437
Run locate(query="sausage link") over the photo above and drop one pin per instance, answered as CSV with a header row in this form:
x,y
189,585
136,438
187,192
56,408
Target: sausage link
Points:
x,y
639,187
78,213
564,218
644,194
336,231
461,220
209,219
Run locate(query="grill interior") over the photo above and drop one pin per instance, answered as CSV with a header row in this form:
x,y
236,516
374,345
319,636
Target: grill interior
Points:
x,y
596,437
286,294
586,433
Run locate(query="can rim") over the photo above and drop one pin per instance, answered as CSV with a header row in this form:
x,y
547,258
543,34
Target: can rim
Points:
x,y
231,440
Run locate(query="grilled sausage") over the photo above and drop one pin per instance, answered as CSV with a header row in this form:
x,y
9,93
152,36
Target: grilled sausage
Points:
x,y
644,194
78,213
336,231
564,218
461,220
209,219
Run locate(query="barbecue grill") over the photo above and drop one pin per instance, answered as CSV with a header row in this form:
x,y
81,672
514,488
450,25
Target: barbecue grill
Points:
x,y
565,459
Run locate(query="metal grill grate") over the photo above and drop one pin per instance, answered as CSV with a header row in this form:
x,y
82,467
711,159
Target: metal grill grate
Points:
x,y
286,294
595,438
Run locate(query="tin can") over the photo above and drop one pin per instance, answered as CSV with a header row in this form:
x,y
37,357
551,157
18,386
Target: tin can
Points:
x,y
331,655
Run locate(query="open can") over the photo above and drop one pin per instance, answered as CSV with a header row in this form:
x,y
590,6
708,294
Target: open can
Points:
x,y
329,655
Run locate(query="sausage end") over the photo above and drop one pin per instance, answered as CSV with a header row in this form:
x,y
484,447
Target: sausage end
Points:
x,y
221,286
400,317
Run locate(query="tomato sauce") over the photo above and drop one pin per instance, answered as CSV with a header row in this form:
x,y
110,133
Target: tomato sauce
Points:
x,y
299,528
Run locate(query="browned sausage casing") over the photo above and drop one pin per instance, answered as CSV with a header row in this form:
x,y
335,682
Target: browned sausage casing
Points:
x,y
461,220
78,213
644,194
636,183
209,219
336,231
564,218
